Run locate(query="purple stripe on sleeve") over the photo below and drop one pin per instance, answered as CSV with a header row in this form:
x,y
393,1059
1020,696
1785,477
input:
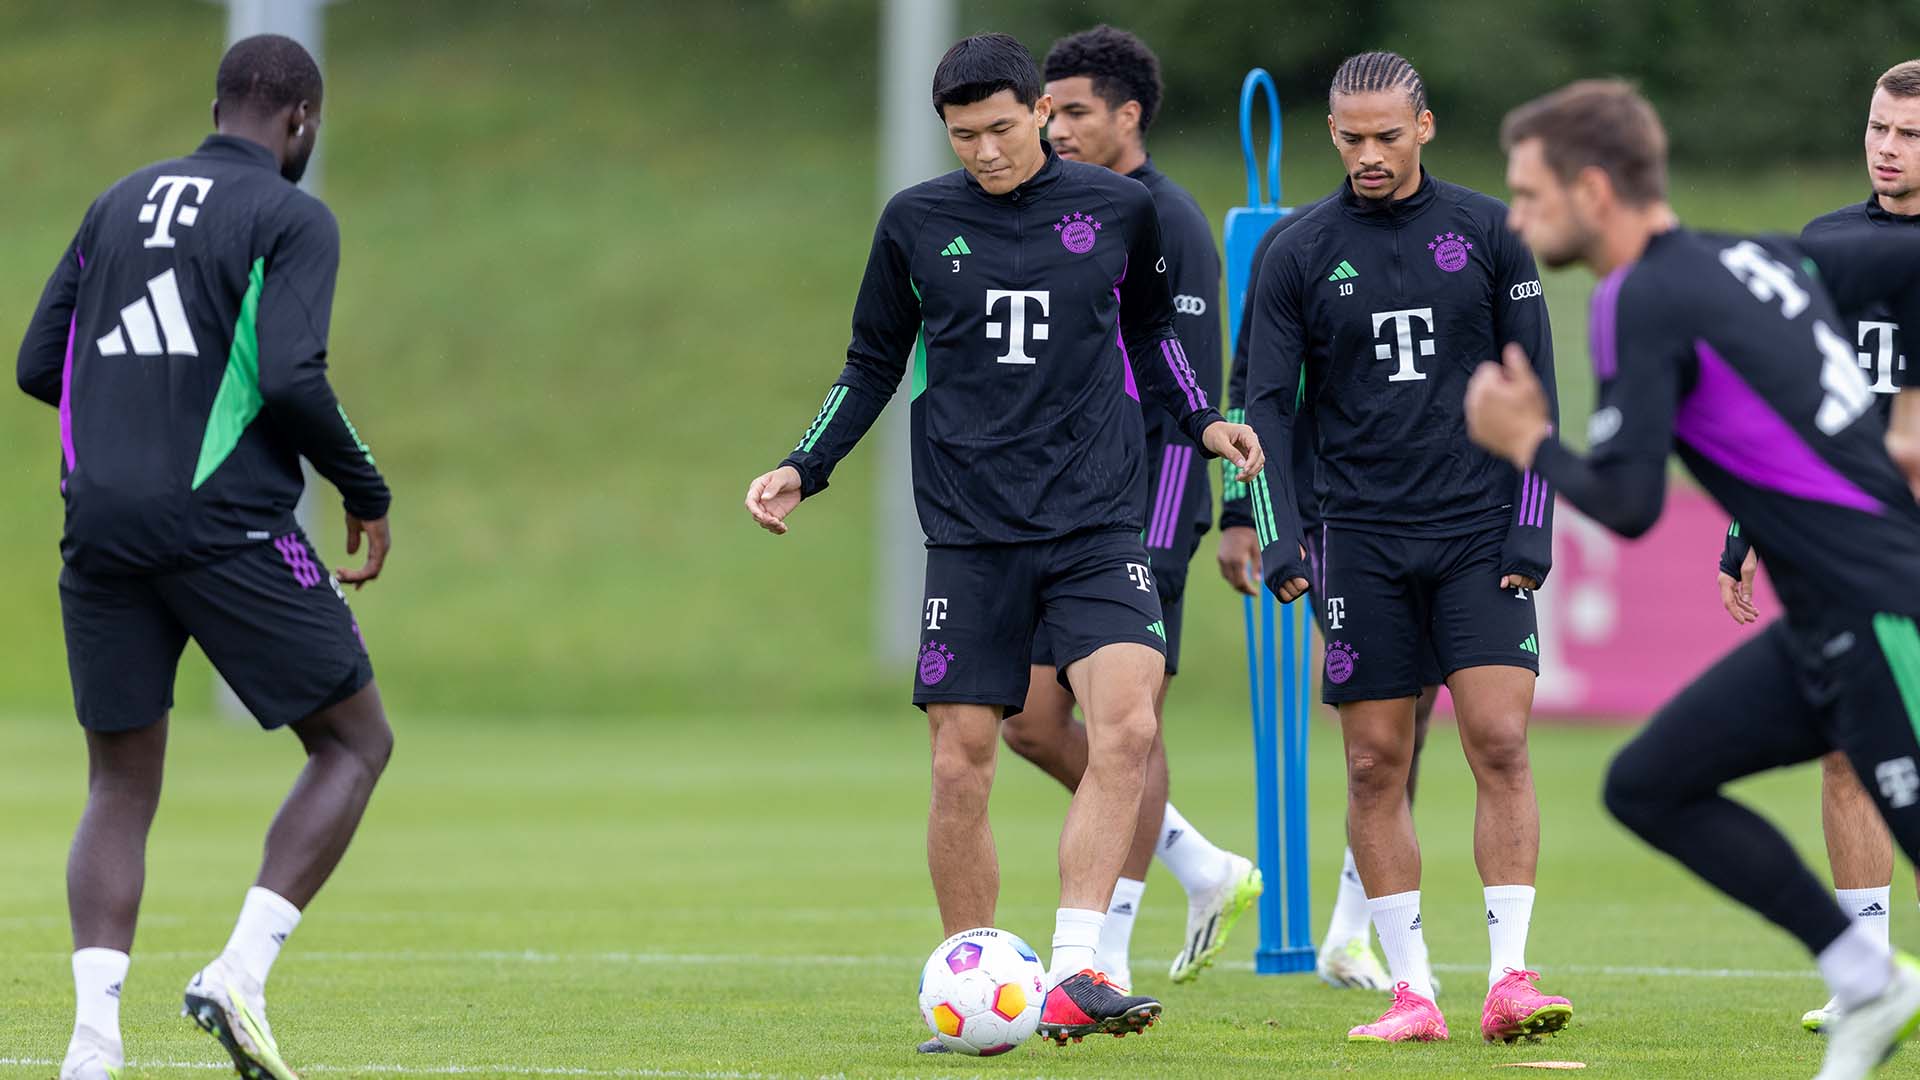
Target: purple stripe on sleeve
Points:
x,y
1126,364
1541,502
1192,379
1182,465
1731,425
66,382
1184,382
1157,523
1526,496
1603,334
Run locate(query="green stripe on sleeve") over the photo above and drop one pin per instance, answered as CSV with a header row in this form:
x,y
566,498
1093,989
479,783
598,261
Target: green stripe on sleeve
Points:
x,y
820,423
238,400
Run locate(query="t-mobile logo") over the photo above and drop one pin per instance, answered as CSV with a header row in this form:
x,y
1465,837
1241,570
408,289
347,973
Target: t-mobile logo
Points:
x,y
1017,340
1881,362
163,211
1899,782
1138,575
936,610
1402,347
1336,612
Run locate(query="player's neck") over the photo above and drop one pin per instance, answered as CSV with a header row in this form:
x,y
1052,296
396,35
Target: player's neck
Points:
x,y
260,135
1906,205
1627,239
1131,160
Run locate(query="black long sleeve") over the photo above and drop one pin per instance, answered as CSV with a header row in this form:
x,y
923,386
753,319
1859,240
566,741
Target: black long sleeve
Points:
x,y
1273,390
295,306
1734,553
1166,378
1520,315
43,350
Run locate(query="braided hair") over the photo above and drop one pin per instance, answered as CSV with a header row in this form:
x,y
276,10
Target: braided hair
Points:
x,y
1375,71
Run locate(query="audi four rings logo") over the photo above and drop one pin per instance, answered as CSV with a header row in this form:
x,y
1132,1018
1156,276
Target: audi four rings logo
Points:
x,y
1190,305
1525,289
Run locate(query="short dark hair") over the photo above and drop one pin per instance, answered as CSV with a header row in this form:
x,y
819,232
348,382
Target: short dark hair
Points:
x,y
1901,80
978,67
1597,123
1371,72
1121,66
266,73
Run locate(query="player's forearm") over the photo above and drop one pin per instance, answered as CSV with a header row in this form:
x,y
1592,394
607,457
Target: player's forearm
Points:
x,y
38,373
1734,554
1904,423
1167,380
1625,495
43,350
845,416
315,423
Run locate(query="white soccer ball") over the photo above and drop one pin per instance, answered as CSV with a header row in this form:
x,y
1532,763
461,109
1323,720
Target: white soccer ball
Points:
x,y
981,992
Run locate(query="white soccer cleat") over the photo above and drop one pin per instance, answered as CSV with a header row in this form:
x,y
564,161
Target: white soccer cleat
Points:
x,y
1211,916
1818,1020
231,1007
92,1056
1352,965
1864,1036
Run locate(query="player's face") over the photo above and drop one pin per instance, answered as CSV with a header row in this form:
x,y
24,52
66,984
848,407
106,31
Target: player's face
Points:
x,y
998,139
1084,128
1893,145
1541,210
1379,137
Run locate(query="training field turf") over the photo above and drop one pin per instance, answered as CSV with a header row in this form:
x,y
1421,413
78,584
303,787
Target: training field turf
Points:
x,y
747,897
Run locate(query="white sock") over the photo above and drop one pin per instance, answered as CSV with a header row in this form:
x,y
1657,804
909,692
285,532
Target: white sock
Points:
x,y
1116,933
1509,913
1350,915
97,977
1194,861
1871,910
266,919
1857,968
1076,935
1397,918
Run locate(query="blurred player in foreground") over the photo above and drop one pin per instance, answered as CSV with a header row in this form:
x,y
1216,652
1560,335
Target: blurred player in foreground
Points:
x,y
1858,846
1729,351
183,337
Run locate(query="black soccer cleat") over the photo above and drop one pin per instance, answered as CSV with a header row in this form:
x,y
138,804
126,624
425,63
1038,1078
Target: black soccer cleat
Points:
x,y
1090,1004
932,1046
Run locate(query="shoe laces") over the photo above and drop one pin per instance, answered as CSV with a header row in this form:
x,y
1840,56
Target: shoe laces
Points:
x,y
1517,973
1404,1000
1100,979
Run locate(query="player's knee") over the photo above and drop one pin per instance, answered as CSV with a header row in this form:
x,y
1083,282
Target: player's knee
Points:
x,y
962,763
1502,758
1374,774
1129,732
1634,793
374,747
1032,737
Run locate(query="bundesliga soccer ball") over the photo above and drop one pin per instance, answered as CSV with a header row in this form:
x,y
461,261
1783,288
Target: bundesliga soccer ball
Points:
x,y
981,992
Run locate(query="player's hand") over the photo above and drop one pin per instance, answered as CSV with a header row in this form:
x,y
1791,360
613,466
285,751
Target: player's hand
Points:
x,y
1518,581
1507,409
1294,588
1240,559
1238,444
379,542
1737,596
1904,449
772,496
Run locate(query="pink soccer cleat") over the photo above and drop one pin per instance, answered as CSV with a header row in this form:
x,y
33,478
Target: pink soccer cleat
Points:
x,y
1412,1019
1516,1010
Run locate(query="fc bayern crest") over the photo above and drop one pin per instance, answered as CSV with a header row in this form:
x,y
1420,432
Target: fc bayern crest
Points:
x,y
1078,232
1450,252
1340,661
933,663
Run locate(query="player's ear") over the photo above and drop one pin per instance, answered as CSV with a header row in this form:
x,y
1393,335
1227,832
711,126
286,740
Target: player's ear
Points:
x,y
1333,133
1424,126
1043,109
1129,114
297,120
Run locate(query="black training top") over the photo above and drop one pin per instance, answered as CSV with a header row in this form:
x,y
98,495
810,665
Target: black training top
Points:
x,y
183,336
1871,327
1389,306
1193,273
1730,351
1029,317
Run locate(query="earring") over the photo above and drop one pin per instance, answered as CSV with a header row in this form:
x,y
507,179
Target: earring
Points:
x,y
299,131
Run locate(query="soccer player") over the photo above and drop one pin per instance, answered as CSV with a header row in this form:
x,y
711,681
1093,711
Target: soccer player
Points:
x,y
1729,351
1037,292
183,337
1347,959
1858,847
1105,86
1387,296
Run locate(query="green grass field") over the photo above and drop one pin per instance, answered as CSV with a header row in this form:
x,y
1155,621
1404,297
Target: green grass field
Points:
x,y
669,898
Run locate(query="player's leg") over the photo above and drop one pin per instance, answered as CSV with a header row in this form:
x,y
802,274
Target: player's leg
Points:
x,y
1103,613
1747,714
251,613
1860,852
961,856
1113,954
1044,731
122,648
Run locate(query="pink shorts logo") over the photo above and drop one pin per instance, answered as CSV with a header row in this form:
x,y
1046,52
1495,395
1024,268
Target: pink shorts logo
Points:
x,y
1450,252
934,659
1078,232
1340,661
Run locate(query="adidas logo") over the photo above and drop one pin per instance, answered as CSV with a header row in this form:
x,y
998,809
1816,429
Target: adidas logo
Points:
x,y
278,938
958,247
139,327
1416,921
1123,908
1873,911
1159,629
1343,272
113,991
1532,644
1492,919
1173,836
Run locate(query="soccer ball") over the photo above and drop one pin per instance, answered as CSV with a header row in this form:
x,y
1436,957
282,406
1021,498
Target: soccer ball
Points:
x,y
981,992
